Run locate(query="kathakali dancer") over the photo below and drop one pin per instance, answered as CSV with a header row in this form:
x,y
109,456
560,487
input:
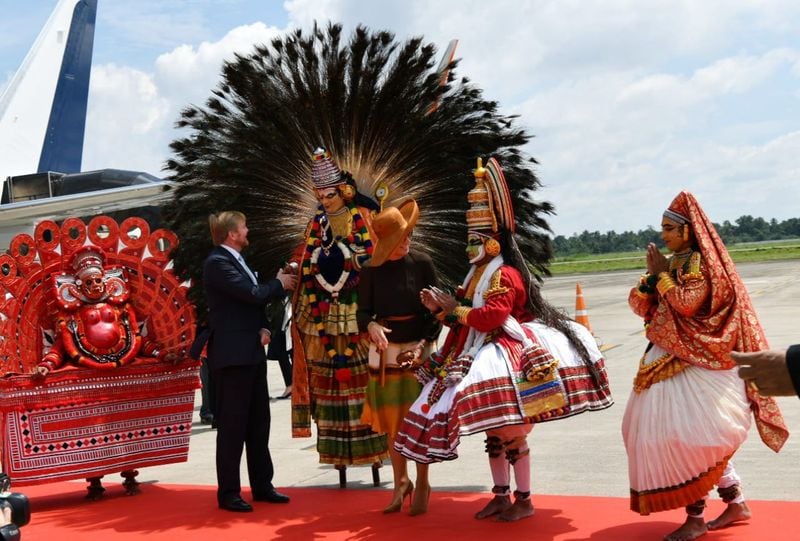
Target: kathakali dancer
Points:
x,y
400,330
509,359
689,411
330,373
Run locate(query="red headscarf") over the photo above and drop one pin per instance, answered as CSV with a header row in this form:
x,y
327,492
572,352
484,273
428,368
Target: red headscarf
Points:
x,y
729,324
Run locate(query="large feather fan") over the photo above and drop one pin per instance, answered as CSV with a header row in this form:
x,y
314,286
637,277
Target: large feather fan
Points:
x,y
386,114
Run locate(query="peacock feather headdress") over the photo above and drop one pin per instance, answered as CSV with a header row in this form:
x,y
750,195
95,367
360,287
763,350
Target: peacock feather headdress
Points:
x,y
387,116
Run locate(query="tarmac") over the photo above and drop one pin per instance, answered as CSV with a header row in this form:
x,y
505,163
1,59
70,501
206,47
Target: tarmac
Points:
x,y
583,455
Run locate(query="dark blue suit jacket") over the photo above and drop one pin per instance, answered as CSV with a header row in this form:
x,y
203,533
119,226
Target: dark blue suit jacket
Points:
x,y
235,311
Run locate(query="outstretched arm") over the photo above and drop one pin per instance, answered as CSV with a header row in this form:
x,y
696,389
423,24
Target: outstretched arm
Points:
x,y
220,273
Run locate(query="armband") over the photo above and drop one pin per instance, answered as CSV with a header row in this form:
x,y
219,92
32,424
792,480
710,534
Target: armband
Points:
x,y
665,283
462,313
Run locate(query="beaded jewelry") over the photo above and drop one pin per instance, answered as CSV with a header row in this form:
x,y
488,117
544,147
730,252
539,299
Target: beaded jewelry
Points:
x,y
322,293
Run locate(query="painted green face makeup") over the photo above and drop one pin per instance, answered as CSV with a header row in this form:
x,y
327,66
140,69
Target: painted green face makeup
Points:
x,y
475,250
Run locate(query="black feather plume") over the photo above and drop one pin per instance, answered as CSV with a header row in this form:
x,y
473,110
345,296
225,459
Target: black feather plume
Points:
x,y
369,102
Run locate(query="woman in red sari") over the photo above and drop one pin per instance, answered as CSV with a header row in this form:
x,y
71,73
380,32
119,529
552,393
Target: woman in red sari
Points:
x,y
689,411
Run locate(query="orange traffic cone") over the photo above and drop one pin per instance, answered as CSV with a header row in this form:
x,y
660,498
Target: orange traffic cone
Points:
x,y
581,315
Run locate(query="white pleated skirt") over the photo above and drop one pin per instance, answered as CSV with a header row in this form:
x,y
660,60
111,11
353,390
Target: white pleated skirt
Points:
x,y
680,433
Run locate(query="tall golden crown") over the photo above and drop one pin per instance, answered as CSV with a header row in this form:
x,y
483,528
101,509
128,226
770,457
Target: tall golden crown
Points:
x,y
480,216
490,201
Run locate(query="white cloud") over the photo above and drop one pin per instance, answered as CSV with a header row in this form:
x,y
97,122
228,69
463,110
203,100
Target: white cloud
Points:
x,y
189,73
742,73
629,103
303,13
126,120
510,47
624,140
132,113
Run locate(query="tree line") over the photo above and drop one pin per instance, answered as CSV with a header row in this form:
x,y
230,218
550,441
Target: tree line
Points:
x,y
744,229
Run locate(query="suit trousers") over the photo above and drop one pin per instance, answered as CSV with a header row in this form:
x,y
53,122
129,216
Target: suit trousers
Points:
x,y
243,421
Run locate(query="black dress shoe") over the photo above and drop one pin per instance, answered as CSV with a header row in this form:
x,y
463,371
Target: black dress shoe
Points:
x,y
272,496
237,505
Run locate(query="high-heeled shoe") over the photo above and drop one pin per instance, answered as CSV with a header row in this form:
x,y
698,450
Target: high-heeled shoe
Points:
x,y
419,503
400,494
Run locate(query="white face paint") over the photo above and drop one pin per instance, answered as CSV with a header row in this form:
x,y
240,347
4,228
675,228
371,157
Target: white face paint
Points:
x,y
475,248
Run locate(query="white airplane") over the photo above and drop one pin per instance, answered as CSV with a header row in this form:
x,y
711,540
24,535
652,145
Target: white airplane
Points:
x,y
42,124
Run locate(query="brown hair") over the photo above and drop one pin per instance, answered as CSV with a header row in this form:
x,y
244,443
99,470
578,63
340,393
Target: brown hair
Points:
x,y
224,222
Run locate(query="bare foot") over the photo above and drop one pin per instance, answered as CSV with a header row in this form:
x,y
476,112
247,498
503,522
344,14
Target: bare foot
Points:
x,y
520,509
691,529
496,505
735,512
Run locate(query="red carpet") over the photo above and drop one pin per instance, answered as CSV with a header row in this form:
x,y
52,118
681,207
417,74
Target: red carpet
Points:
x,y
183,512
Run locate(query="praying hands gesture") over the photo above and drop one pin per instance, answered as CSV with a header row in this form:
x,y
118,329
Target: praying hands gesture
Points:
x,y
656,261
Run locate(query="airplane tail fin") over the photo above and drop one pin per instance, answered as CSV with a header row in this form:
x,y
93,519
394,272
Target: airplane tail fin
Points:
x,y
43,110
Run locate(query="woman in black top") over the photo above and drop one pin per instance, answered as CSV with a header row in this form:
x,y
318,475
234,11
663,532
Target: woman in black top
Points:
x,y
400,330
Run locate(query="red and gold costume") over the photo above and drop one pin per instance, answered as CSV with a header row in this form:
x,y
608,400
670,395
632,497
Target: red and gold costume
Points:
x,y
499,369
695,315
469,391
498,366
95,330
72,296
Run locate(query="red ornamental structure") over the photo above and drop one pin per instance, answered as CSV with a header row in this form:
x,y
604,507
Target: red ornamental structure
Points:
x,y
94,335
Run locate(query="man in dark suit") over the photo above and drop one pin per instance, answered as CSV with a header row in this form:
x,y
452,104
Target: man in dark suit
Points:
x,y
237,361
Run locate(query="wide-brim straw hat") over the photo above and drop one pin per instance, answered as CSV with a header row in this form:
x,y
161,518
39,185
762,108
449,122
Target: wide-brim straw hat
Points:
x,y
391,226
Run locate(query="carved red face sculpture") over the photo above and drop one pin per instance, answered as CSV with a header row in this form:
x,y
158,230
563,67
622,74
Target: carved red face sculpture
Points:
x,y
93,285
97,325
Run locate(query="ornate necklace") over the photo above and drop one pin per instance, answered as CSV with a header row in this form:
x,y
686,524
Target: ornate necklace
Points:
x,y
326,237
320,292
334,288
678,260
329,223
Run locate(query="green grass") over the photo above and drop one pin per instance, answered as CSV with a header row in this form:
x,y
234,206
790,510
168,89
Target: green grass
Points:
x,y
744,252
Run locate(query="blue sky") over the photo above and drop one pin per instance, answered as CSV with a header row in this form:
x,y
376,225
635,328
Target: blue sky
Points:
x,y
630,100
